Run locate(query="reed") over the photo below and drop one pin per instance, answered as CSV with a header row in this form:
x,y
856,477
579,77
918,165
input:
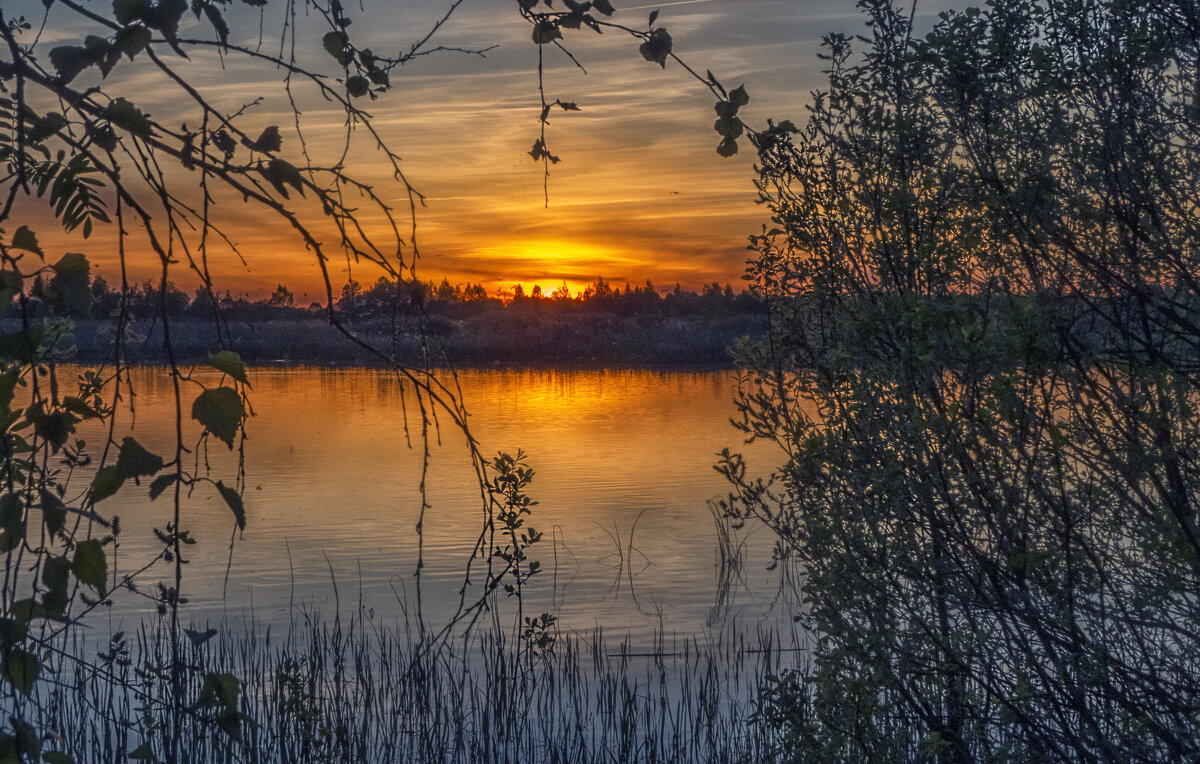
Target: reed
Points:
x,y
363,690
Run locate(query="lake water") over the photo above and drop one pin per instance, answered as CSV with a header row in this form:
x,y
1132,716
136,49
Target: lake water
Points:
x,y
623,463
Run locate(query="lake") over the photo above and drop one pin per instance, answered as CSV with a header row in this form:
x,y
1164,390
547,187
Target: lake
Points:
x,y
624,472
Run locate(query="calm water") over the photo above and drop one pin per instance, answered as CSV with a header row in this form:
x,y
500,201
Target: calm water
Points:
x,y
624,472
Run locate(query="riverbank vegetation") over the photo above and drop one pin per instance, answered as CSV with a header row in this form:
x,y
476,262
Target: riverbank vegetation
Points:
x,y
981,364
417,322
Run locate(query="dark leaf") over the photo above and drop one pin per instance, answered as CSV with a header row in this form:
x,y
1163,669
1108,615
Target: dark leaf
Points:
x,y
739,95
337,44
603,6
653,16
69,61
162,483
200,637
220,411
234,500
90,564
268,141
125,115
358,86
132,40
25,239
21,669
657,47
136,461
546,32
727,147
106,483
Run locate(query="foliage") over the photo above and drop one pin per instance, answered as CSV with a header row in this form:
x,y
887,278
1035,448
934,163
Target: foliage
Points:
x,y
981,368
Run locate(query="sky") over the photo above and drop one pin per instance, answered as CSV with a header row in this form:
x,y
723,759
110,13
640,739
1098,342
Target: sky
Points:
x,y
640,192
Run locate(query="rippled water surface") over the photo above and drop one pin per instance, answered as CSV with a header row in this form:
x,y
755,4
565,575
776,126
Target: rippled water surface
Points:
x,y
624,473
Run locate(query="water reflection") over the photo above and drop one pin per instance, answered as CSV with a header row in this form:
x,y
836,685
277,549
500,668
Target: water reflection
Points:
x,y
624,471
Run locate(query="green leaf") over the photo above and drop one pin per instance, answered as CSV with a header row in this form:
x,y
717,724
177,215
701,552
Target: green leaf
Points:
x,y
230,363
128,117
162,483
12,631
21,669
136,461
739,96
269,141
107,482
657,47
90,564
220,411
358,87
25,239
69,60
234,500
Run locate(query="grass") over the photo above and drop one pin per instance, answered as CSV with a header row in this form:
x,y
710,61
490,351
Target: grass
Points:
x,y
363,691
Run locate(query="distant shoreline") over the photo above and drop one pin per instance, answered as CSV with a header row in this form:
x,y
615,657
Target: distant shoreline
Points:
x,y
573,341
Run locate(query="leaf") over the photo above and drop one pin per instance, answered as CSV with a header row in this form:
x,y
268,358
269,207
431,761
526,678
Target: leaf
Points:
x,y
54,512
657,47
25,239
132,40
726,109
104,54
57,757
336,44
653,16
230,363
45,127
234,500
220,411
125,115
142,753
200,637
70,288
730,127
218,21
90,564
546,32
21,669
69,61
135,461
127,11
162,483
739,96
603,6
528,5
220,690
268,141
55,575
727,147
106,483
358,86
278,172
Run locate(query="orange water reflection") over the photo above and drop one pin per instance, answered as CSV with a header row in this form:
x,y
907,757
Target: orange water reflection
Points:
x,y
332,497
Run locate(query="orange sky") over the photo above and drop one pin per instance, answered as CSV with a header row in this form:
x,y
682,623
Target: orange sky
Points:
x,y
640,193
